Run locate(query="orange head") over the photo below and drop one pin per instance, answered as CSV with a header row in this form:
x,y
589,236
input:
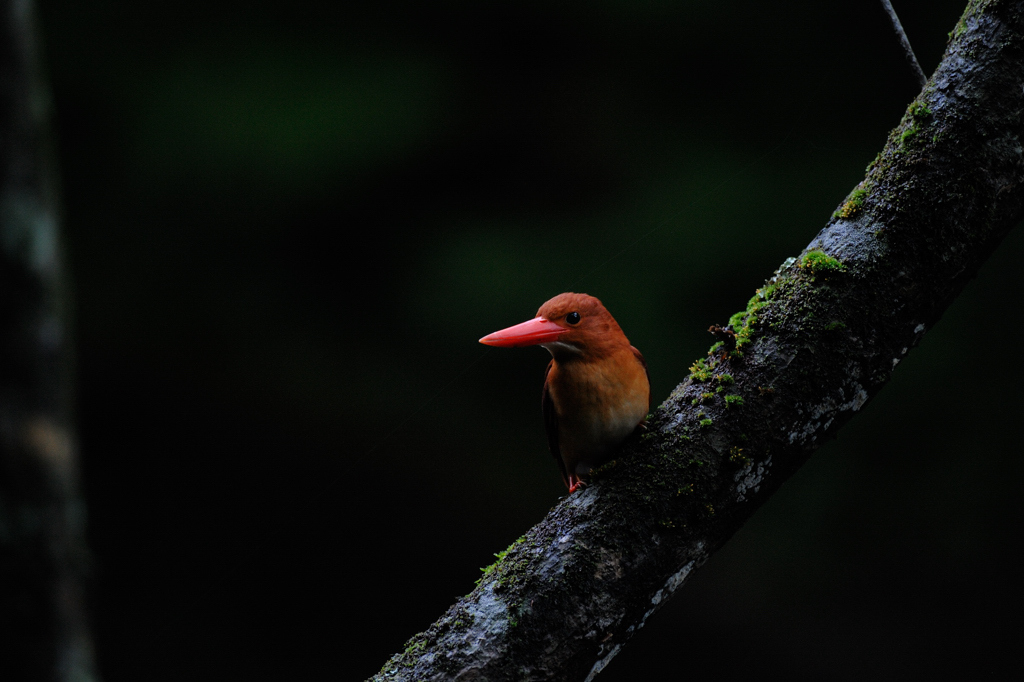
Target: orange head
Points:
x,y
568,325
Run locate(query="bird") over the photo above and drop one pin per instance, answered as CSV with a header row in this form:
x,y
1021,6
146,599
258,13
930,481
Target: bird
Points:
x,y
597,390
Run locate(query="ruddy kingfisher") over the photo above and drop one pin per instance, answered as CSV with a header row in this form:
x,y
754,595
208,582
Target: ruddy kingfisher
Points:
x,y
596,387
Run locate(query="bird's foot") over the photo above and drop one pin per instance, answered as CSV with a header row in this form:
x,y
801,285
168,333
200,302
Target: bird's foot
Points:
x,y
577,484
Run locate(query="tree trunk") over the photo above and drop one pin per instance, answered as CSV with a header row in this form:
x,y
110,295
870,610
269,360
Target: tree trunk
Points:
x,y
811,348
43,632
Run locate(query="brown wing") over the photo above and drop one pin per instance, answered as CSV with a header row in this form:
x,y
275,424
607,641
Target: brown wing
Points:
x,y
643,362
547,406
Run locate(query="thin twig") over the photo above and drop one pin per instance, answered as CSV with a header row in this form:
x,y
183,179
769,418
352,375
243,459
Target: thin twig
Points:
x,y
907,50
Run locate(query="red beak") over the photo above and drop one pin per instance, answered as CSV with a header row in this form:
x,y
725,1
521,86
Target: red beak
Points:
x,y
530,333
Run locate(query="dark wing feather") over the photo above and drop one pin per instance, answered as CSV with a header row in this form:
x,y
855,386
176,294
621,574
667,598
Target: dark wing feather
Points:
x,y
643,362
551,424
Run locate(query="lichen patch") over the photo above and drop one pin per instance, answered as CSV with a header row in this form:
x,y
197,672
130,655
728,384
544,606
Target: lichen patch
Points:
x,y
750,479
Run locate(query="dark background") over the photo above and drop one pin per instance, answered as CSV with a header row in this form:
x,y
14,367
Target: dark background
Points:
x,y
288,223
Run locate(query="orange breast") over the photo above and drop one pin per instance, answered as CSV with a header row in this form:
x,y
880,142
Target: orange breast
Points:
x,y
598,403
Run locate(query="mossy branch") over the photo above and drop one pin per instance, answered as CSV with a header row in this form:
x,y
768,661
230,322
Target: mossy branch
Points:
x,y
807,353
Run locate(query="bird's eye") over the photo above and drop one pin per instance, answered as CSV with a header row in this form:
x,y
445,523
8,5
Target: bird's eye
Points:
x,y
573,318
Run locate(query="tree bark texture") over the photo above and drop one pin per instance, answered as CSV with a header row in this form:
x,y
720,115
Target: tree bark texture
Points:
x,y
811,348
43,630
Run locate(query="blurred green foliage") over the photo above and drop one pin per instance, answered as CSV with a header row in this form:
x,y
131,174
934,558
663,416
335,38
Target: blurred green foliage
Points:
x,y
281,115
